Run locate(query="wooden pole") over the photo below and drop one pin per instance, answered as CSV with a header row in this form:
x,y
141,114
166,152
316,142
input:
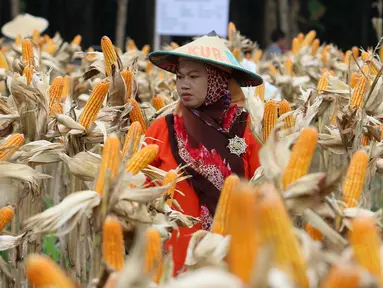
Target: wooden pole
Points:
x,y
122,13
15,8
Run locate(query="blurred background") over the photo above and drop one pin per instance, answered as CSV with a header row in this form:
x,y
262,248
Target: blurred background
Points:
x,y
342,22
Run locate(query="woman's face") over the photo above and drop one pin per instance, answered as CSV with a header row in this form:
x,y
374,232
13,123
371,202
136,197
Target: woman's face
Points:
x,y
191,83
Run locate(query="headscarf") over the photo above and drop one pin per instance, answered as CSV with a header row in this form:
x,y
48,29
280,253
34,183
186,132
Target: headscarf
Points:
x,y
200,137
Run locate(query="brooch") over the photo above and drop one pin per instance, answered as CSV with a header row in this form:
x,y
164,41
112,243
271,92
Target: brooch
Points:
x,y
237,145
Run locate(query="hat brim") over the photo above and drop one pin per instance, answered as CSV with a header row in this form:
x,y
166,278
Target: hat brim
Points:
x,y
168,61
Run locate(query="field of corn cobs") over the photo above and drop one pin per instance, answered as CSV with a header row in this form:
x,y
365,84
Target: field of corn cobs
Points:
x,y
81,206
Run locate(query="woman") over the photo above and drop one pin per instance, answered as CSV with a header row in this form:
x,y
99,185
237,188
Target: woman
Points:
x,y
208,131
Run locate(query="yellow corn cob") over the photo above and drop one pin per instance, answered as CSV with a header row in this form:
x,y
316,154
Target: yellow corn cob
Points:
x,y
270,118
174,45
18,40
289,67
113,247
3,62
146,49
110,56
314,233
322,83
365,56
6,215
272,70
56,89
354,79
221,217
315,47
128,79
158,102
374,66
28,73
90,57
284,107
230,30
296,46
301,156
55,108
237,53
258,55
27,52
242,228
42,271
355,177
77,40
309,38
359,90
142,158
170,177
134,136
50,46
153,251
365,141
149,67
381,53
347,57
274,227
3,49
300,38
260,91
364,238
136,114
94,103
36,36
66,88
110,160
132,45
355,51
344,275
15,141
324,56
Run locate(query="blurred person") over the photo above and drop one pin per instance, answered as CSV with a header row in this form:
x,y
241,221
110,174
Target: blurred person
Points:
x,y
210,112
278,38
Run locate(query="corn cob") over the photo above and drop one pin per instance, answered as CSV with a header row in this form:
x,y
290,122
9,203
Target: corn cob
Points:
x,y
110,159
36,36
170,177
365,56
134,136
55,108
230,30
315,47
113,247
28,73
3,50
347,57
314,233
322,83
27,52
364,238
136,114
301,38
66,88
94,103
373,66
55,91
237,53
274,227
142,158
354,179
174,45
6,215
146,50
132,45
222,213
270,118
110,56
77,40
342,276
158,102
243,246
258,55
324,56
295,47
90,57
381,53
354,79
301,156
260,91
153,251
309,38
128,79
15,141
355,52
365,141
50,46
3,62
18,40
358,93
284,107
289,67
272,70
149,67
42,271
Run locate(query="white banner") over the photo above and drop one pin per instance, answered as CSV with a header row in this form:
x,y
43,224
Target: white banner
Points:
x,y
192,17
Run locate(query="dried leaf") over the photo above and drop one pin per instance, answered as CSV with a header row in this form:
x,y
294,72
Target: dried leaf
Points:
x,y
83,165
7,242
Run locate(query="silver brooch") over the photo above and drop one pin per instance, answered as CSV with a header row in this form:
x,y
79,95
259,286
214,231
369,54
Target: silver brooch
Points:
x,y
237,145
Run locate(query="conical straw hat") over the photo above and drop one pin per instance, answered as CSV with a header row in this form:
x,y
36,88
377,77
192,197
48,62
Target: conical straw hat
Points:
x,y
24,24
209,49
